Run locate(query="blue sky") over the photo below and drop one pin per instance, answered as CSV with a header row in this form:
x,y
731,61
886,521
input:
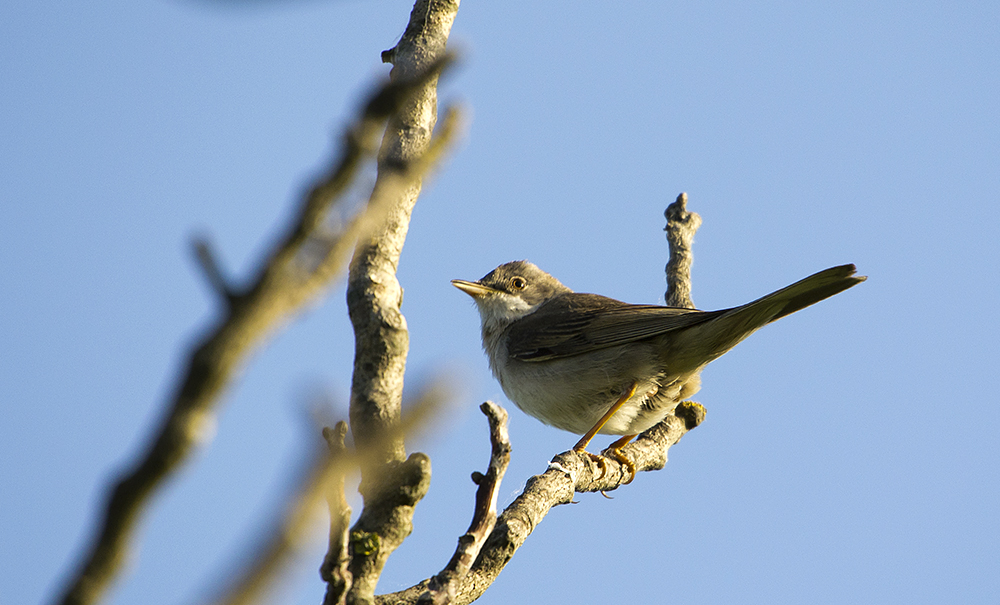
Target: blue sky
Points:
x,y
849,454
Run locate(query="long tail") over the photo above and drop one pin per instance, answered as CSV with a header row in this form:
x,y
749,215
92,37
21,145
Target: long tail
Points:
x,y
709,340
804,292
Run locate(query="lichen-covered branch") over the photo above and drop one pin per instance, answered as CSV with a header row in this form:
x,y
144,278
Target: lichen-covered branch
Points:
x,y
291,276
391,484
374,295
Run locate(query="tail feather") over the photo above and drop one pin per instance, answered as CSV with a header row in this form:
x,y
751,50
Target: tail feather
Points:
x,y
709,340
810,290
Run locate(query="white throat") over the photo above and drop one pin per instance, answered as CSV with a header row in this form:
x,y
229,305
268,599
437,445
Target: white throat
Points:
x,y
499,310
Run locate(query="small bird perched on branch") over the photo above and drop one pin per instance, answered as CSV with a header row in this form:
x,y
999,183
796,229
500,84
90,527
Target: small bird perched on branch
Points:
x,y
590,364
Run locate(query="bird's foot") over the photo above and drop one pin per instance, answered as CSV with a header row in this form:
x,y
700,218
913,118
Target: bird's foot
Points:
x,y
601,461
615,451
624,461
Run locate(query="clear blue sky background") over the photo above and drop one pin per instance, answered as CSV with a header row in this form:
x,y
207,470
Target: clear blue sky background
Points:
x,y
850,452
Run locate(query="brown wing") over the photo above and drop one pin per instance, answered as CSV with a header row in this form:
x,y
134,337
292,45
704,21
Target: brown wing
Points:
x,y
572,323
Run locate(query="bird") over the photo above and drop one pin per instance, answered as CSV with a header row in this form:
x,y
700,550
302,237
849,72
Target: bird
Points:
x,y
590,364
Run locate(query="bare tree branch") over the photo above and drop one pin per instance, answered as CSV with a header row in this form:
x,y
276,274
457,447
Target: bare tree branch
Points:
x,y
213,272
443,588
374,294
403,488
568,473
335,570
283,285
392,484
681,227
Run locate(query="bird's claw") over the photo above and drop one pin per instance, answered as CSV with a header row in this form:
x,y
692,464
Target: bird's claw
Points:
x,y
600,460
624,461
618,456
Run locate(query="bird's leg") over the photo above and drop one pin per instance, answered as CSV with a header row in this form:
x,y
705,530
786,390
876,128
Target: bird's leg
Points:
x,y
581,445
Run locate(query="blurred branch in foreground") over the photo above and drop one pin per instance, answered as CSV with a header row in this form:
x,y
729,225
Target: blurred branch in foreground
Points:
x,y
297,271
321,490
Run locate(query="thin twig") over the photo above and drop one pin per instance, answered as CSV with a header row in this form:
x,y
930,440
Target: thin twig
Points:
x,y
443,587
209,264
296,528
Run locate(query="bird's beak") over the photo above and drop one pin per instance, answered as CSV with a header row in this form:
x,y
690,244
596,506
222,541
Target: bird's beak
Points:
x,y
472,288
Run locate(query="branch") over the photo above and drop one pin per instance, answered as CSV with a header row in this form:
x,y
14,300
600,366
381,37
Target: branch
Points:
x,y
323,484
206,258
302,515
442,588
282,287
568,473
392,484
335,571
681,227
404,485
374,294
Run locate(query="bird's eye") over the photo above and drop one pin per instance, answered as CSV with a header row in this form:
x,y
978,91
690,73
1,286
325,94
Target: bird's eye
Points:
x,y
518,283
